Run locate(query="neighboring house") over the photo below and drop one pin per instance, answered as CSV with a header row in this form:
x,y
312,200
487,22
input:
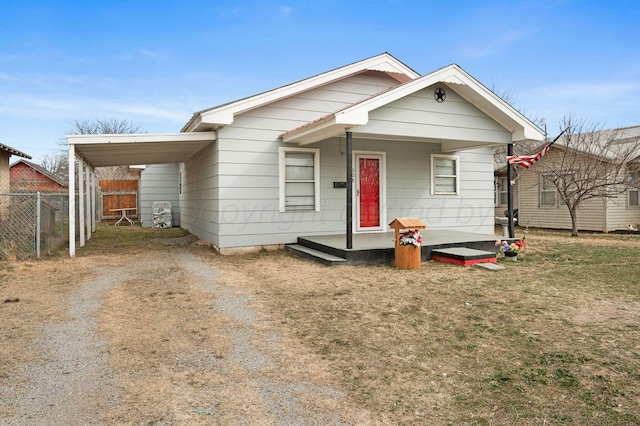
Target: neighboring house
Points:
x,y
29,177
5,186
539,204
275,166
5,153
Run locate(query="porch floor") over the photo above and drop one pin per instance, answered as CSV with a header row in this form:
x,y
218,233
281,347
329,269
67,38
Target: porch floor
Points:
x,y
380,247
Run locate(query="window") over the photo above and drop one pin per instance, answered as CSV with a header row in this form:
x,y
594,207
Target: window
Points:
x,y
502,192
633,189
444,171
299,179
547,191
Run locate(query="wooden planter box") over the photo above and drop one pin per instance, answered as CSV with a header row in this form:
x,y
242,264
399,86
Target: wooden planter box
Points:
x,y
407,257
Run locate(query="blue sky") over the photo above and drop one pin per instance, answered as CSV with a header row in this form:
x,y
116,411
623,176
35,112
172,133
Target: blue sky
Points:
x,y
155,63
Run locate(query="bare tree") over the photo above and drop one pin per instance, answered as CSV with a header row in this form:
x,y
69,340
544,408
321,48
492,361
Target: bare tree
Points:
x,y
110,126
57,162
590,163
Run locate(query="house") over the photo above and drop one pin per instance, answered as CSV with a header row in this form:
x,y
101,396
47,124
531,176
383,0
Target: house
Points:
x,y
5,153
537,199
29,177
342,152
5,187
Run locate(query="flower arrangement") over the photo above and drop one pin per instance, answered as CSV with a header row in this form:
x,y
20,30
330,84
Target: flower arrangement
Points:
x,y
411,238
514,247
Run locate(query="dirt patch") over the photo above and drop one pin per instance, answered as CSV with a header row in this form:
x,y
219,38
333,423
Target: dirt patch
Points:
x,y
40,289
164,337
622,313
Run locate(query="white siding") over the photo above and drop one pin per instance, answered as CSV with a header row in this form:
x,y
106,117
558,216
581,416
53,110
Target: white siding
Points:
x,y
159,182
249,214
199,201
619,214
593,215
287,114
419,115
409,183
240,190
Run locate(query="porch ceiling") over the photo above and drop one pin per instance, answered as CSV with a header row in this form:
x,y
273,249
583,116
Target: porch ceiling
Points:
x,y
144,148
324,131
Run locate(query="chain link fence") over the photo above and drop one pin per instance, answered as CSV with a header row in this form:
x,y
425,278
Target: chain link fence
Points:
x,y
34,212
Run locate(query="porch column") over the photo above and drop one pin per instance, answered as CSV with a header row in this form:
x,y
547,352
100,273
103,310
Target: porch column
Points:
x,y
510,193
349,192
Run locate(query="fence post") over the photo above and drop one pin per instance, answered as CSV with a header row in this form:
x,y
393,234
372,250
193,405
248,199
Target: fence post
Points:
x,y
64,211
38,218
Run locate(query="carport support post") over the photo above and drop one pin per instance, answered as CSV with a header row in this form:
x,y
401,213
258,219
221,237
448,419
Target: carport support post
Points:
x,y
93,199
88,200
72,200
349,191
81,214
510,193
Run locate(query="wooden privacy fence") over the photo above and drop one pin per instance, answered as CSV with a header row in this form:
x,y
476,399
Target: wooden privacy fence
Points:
x,y
118,194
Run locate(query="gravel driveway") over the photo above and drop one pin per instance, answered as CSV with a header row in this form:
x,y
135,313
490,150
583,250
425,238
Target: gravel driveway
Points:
x,y
168,339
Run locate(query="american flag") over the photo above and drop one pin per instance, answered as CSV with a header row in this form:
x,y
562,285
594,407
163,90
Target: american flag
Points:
x,y
527,161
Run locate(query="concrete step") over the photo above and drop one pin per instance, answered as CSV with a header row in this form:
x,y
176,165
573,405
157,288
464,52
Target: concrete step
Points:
x,y
316,255
463,256
490,266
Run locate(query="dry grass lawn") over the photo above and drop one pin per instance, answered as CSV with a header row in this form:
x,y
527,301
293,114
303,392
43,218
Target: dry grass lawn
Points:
x,y
552,340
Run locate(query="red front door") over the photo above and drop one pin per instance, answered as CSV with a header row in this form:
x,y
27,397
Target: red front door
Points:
x,y
369,185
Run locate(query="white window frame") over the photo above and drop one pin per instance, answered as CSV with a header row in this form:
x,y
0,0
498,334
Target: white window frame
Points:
x,y
501,188
316,178
634,187
541,190
456,176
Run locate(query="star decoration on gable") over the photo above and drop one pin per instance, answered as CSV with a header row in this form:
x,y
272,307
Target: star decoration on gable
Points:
x,y
439,94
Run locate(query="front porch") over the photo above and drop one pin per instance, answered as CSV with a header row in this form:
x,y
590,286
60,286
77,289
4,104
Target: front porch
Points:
x,y
375,248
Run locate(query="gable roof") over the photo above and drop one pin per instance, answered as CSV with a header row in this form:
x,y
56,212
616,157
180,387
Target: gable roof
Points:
x,y
13,151
57,179
221,115
610,143
474,92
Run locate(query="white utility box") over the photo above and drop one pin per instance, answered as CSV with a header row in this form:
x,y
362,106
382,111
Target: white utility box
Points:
x,y
162,214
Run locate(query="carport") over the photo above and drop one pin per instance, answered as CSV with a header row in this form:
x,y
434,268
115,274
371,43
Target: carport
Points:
x,y
91,151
